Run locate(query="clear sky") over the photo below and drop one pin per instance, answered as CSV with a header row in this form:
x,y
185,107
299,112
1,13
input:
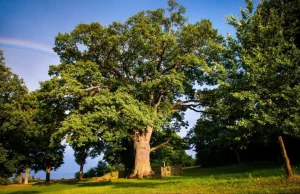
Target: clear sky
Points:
x,y
28,29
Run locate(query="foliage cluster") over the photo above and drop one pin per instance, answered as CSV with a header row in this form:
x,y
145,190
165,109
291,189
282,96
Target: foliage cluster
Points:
x,y
257,96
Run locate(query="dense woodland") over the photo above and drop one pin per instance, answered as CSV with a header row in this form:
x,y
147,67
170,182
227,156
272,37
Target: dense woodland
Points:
x,y
122,90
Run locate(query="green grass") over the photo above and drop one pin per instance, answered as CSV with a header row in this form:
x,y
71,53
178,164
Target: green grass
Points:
x,y
245,178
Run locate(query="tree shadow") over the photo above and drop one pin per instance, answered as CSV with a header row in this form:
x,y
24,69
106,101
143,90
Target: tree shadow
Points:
x,y
238,171
24,192
217,173
45,183
147,183
85,183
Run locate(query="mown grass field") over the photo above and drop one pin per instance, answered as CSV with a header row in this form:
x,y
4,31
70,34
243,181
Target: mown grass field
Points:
x,y
245,178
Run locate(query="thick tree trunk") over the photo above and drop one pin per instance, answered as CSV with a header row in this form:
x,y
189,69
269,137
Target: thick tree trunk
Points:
x,y
142,167
83,159
26,176
20,177
237,155
82,162
288,168
81,171
48,170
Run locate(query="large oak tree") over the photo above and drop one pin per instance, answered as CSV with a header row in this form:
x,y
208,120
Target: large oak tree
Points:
x,y
130,78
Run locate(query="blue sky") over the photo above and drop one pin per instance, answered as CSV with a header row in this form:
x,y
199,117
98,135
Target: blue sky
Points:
x,y
28,29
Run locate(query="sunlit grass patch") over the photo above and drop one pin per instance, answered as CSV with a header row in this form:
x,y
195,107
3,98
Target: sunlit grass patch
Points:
x,y
245,178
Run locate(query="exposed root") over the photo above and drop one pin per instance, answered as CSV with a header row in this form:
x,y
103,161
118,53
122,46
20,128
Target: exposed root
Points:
x,y
294,177
141,175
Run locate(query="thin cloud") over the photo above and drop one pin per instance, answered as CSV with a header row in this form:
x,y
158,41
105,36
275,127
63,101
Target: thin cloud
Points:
x,y
27,45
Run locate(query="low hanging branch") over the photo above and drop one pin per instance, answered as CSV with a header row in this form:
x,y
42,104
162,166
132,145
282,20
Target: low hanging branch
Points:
x,y
170,68
189,104
193,109
158,146
185,102
92,88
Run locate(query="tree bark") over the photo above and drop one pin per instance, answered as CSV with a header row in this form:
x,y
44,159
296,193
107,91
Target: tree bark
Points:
x,y
288,168
20,177
82,162
237,155
26,176
48,170
81,172
142,167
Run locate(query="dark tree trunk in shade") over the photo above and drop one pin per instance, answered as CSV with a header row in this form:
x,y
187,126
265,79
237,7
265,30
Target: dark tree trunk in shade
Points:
x,y
288,169
20,176
81,172
26,176
237,155
82,162
48,170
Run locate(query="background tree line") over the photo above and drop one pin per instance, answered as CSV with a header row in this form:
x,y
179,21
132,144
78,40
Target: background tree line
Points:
x,y
256,102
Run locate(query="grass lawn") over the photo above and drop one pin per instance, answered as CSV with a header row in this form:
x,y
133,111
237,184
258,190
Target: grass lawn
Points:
x,y
245,178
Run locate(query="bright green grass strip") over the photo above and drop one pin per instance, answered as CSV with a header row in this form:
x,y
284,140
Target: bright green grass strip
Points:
x,y
251,178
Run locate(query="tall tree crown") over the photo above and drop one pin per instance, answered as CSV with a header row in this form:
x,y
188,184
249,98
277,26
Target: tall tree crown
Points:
x,y
139,71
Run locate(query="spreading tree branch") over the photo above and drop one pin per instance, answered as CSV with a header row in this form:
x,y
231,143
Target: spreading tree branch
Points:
x,y
170,68
92,88
147,77
136,79
171,27
196,110
165,44
185,102
158,146
150,98
158,102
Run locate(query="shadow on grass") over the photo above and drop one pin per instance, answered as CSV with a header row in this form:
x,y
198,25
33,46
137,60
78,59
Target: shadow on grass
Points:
x,y
124,184
145,183
24,192
294,191
234,171
238,172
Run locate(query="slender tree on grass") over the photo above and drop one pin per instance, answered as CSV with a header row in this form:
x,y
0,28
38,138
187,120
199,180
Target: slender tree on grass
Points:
x,y
89,149
48,154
